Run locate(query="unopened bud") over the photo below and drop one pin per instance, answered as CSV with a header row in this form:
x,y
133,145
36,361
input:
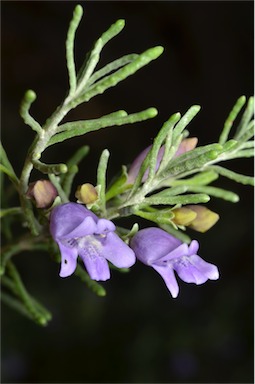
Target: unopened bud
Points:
x,y
86,193
42,192
203,218
183,216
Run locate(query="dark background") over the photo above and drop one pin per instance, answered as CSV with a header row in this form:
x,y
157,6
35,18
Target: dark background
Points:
x,y
137,333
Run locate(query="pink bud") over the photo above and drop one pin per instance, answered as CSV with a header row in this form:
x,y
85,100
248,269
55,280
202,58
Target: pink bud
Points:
x,y
42,192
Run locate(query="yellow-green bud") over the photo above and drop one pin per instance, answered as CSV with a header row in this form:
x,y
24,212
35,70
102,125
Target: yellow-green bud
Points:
x,y
86,193
196,217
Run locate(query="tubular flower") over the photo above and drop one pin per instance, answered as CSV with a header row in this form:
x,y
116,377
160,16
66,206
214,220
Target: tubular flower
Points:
x,y
79,231
166,254
185,146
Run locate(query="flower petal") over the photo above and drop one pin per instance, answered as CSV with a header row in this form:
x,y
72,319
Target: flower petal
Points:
x,y
97,267
193,247
117,252
179,252
87,227
190,274
168,276
208,269
195,270
104,226
151,244
66,217
68,260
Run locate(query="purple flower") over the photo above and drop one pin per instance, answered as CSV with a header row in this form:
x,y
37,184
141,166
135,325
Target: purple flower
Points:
x,y
79,231
166,254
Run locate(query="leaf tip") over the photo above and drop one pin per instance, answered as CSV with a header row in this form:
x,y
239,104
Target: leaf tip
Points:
x,y
30,96
78,11
155,52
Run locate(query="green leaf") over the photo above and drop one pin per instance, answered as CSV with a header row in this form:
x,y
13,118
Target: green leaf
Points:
x,y
91,284
56,182
68,180
234,175
173,191
185,120
86,72
176,233
159,216
241,153
121,74
77,15
246,119
93,58
39,314
29,98
72,166
248,144
113,31
113,66
202,178
6,166
247,134
151,157
116,118
157,199
15,304
167,126
10,211
216,192
85,126
175,136
101,178
118,186
192,160
127,234
231,118
49,168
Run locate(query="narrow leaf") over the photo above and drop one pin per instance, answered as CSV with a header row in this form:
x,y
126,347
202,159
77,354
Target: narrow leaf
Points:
x,y
91,284
113,79
28,301
6,166
28,99
77,15
169,124
185,120
176,233
49,168
113,66
84,127
216,192
192,160
231,118
90,64
10,211
247,116
172,200
202,178
243,179
101,177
